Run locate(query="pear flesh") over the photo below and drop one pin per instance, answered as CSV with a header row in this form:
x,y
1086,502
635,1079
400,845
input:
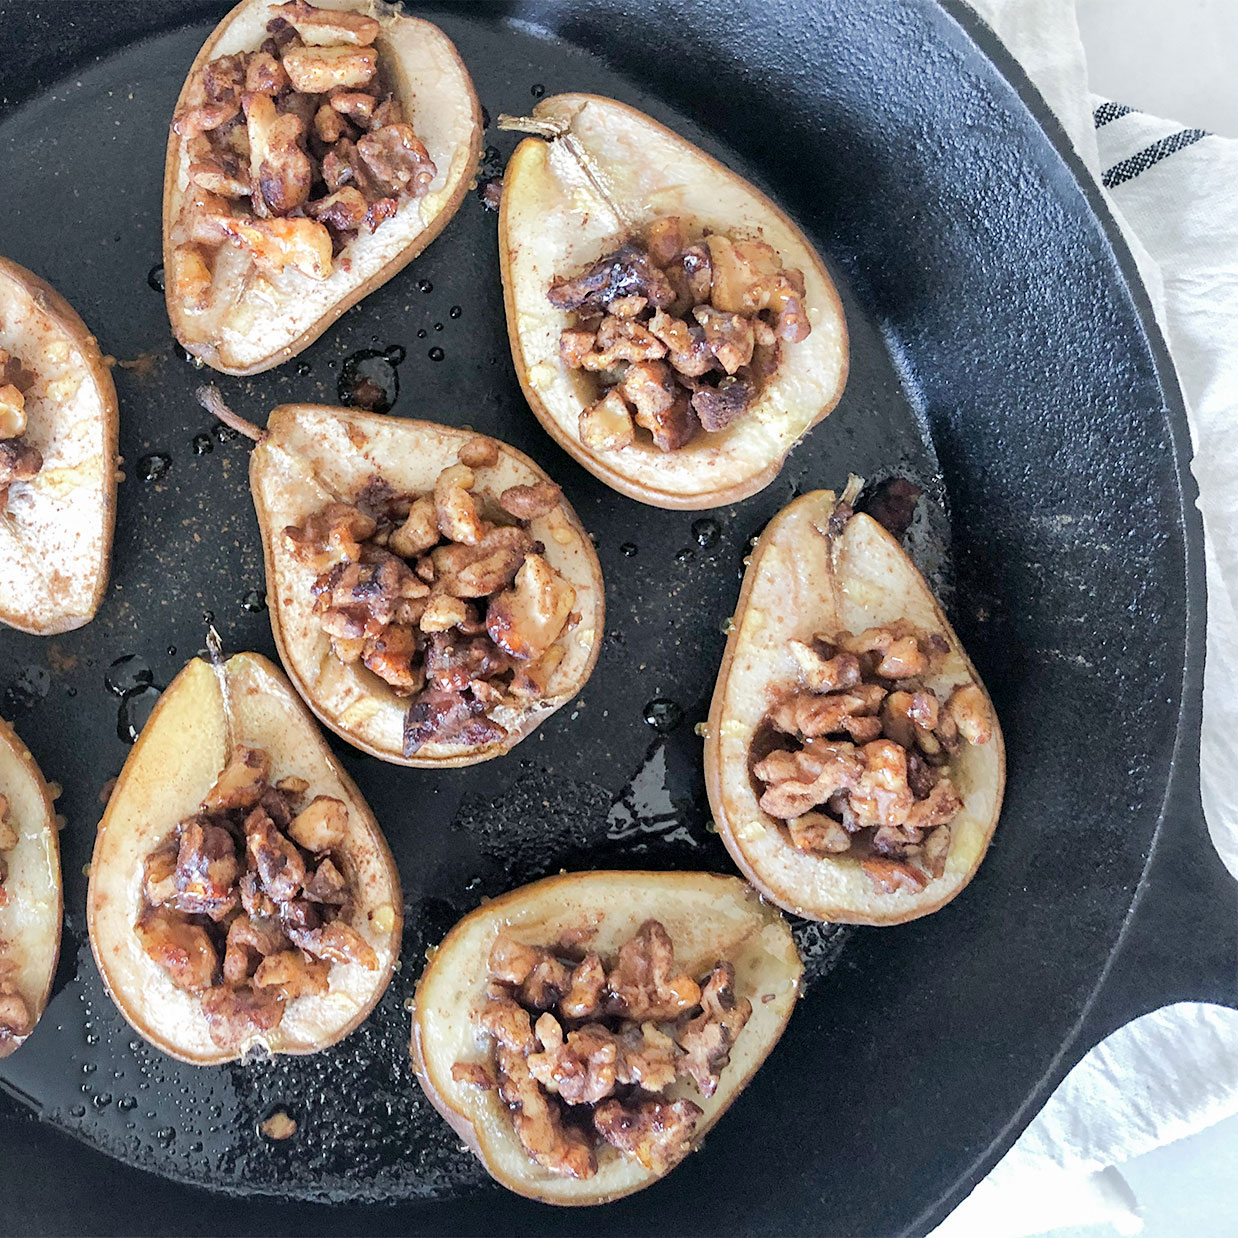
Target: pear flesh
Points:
x,y
205,713
250,321
313,455
817,569
599,175
707,917
56,527
31,908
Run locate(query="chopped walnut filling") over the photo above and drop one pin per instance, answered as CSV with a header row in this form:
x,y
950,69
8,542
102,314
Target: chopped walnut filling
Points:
x,y
584,1052
19,461
857,759
294,148
682,334
248,904
445,597
15,1019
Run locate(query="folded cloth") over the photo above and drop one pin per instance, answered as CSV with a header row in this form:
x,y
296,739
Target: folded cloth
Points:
x,y
1163,1076
1173,1072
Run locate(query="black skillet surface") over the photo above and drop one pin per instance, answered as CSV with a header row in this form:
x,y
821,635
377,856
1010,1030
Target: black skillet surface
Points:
x,y
999,357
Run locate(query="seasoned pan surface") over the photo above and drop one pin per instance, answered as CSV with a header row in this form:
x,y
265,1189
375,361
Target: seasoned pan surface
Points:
x,y
997,359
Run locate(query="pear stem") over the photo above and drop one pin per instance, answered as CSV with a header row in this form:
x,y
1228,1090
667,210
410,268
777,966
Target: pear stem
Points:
x,y
210,398
530,124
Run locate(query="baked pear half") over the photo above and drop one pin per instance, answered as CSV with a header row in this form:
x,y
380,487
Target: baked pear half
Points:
x,y
58,460
581,1034
432,593
30,892
672,328
853,759
241,892
316,149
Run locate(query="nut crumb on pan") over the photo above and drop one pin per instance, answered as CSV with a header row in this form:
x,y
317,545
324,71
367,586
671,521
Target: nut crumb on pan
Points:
x,y
446,598
280,1125
584,1051
682,334
247,903
855,758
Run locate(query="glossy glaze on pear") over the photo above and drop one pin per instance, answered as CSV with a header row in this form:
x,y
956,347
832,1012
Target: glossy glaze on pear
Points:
x,y
256,324
807,577
56,528
570,199
707,916
313,454
201,717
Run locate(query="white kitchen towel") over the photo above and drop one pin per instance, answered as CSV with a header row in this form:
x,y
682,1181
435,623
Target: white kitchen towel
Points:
x,y
1173,190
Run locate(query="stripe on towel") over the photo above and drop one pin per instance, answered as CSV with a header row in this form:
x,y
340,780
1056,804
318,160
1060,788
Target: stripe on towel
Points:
x,y
1108,112
1127,169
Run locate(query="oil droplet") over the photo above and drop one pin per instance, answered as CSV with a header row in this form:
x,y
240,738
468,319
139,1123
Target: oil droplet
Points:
x,y
454,312
485,117
153,467
128,674
77,1111
102,1100
202,445
701,729
253,602
135,709
185,355
628,549
127,1103
395,354
421,335
410,1003
154,277
208,617
437,354
424,285
368,379
491,154
304,369
171,651
706,531
686,555
28,687
663,715
438,326
537,90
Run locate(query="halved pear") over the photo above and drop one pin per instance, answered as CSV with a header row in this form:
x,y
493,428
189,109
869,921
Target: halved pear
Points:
x,y
31,910
311,455
56,528
602,171
204,713
247,323
708,917
816,571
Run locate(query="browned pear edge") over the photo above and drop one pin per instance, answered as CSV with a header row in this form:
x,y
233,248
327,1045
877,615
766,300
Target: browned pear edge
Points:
x,y
357,803
459,1121
713,765
207,352
100,375
537,716
570,443
10,739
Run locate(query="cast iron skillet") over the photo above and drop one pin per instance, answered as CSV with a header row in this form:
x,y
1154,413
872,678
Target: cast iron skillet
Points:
x,y
1002,357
